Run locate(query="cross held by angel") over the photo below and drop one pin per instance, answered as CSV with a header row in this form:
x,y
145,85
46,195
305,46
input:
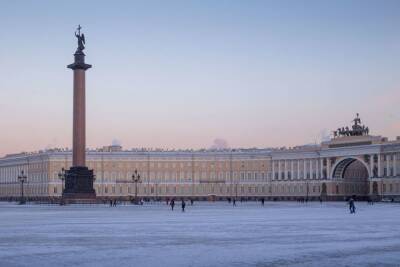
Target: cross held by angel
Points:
x,y
81,38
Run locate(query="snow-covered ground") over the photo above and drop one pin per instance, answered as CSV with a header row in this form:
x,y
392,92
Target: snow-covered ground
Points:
x,y
207,234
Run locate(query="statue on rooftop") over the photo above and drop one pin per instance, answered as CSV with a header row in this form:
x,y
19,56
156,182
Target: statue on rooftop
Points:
x,y
356,129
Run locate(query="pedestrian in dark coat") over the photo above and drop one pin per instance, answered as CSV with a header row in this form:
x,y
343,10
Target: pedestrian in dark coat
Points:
x,y
183,205
172,203
352,207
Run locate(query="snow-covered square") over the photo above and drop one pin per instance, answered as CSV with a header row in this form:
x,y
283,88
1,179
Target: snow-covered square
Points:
x,y
206,234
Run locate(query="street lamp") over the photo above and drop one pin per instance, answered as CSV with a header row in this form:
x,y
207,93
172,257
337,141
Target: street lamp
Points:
x,y
156,190
22,179
61,176
236,190
136,179
307,191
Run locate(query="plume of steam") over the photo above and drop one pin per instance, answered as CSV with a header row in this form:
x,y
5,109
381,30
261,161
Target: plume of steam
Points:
x,y
53,144
219,144
324,135
116,142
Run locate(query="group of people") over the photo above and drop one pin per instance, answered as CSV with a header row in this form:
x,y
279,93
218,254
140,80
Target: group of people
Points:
x,y
233,200
183,203
113,203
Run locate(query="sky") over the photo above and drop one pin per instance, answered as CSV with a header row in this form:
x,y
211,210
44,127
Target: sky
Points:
x,y
181,74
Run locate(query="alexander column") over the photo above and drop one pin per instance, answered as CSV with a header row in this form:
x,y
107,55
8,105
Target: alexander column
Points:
x,y
79,179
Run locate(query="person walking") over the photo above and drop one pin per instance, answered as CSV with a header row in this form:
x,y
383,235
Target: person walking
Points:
x,y
352,207
262,201
172,203
183,205
234,202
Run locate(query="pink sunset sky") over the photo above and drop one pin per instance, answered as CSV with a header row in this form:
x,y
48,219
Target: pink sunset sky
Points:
x,y
182,74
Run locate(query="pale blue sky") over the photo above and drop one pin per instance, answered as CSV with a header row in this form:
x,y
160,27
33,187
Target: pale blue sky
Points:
x,y
179,74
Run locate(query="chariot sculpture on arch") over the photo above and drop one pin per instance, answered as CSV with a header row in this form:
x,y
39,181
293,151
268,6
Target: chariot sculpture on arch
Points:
x,y
356,129
81,39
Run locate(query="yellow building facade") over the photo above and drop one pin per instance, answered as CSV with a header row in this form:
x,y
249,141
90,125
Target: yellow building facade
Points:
x,y
365,166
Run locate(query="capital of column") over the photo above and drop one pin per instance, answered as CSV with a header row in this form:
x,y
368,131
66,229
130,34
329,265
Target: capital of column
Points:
x,y
79,62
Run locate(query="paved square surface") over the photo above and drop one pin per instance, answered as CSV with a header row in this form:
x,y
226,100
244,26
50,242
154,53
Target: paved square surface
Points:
x,y
207,234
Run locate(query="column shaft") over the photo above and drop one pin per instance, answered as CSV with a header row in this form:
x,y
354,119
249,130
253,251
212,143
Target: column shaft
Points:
x,y
379,166
387,165
291,170
79,117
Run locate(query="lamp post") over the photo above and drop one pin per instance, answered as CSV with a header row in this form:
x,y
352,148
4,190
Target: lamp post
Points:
x,y
156,190
61,176
22,179
307,191
236,190
136,179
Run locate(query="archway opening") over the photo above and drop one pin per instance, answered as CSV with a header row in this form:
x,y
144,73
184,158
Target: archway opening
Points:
x,y
354,175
